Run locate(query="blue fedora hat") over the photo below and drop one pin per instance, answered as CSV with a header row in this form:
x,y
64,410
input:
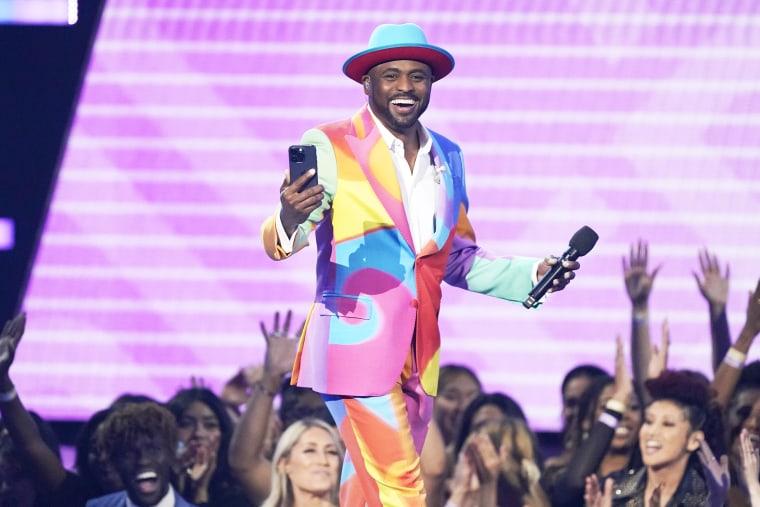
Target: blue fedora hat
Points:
x,y
398,42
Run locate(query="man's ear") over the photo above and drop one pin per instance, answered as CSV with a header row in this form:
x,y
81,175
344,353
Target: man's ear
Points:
x,y
365,79
695,440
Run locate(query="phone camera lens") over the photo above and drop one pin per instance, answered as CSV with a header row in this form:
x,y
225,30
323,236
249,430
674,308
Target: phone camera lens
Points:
x,y
297,155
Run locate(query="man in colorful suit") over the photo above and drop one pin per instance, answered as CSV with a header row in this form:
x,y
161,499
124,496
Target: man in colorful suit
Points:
x,y
390,213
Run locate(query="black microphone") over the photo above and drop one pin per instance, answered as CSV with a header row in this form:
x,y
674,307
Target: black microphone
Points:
x,y
580,244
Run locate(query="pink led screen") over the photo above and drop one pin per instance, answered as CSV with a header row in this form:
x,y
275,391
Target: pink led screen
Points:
x,y
641,119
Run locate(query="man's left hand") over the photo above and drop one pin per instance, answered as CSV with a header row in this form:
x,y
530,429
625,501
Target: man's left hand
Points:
x,y
562,281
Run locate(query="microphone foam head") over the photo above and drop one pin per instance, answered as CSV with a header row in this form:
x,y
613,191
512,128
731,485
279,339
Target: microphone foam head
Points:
x,y
584,240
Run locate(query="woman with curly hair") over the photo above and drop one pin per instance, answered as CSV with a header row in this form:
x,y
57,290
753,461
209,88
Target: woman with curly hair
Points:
x,y
682,423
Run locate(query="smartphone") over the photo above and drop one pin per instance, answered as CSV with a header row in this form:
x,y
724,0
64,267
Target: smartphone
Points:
x,y
302,157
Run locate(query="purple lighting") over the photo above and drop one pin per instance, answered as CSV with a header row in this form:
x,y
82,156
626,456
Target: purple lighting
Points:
x,y
6,234
640,121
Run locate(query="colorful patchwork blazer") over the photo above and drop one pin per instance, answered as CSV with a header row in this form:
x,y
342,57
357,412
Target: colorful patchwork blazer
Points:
x,y
374,293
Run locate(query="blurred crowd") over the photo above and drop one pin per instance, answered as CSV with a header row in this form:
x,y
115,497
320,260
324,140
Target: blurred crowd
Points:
x,y
642,435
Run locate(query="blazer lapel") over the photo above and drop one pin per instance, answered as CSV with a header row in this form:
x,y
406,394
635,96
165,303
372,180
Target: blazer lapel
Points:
x,y
444,212
372,154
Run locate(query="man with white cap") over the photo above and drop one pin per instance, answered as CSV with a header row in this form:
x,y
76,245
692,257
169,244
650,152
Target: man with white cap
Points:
x,y
390,213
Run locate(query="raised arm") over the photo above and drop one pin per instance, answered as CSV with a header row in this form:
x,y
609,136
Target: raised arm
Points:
x,y
714,288
638,286
246,457
45,465
569,486
729,370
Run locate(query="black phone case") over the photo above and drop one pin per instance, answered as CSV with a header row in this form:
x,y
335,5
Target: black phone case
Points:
x,y
302,157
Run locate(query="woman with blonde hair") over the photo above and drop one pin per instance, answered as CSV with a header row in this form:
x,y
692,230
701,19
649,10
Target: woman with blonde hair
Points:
x,y
306,466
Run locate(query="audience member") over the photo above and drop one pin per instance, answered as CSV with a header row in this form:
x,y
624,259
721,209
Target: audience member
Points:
x,y
248,459
306,466
681,422
604,436
575,383
749,470
140,439
729,372
498,461
17,480
204,430
714,288
458,385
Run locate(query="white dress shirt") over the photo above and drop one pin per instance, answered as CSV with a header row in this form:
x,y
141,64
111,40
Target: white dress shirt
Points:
x,y
417,184
166,501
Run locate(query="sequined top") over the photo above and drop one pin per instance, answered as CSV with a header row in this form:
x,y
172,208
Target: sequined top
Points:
x,y
630,486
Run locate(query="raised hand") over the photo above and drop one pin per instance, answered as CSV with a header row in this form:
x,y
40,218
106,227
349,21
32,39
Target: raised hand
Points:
x,y
713,285
297,204
281,347
594,496
485,457
464,484
716,474
752,324
9,340
658,357
638,282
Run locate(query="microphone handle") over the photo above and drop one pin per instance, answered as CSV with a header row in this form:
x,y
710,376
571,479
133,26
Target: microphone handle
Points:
x,y
543,285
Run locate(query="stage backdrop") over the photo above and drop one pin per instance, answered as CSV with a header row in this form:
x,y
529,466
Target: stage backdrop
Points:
x,y
640,119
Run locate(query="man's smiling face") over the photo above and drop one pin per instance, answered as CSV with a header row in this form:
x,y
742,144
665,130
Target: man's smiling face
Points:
x,y
399,92
145,470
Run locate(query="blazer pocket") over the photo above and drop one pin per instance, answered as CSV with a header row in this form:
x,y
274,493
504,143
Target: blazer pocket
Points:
x,y
346,306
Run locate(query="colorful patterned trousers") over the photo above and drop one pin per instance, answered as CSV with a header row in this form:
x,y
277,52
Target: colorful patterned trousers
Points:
x,y
383,437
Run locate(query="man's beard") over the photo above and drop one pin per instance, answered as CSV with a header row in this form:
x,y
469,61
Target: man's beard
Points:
x,y
383,111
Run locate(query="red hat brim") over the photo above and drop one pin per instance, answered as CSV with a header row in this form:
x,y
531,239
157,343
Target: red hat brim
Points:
x,y
439,60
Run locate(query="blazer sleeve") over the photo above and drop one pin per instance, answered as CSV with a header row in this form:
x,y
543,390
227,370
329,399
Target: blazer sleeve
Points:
x,y
472,268
327,171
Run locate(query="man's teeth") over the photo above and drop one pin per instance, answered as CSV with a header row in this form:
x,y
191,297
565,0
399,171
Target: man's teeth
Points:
x,y
402,102
622,431
147,475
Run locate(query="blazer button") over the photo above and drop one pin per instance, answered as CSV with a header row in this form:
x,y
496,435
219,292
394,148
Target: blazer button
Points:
x,y
414,303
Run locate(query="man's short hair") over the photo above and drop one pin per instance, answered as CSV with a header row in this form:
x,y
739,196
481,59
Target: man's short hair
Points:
x,y
124,424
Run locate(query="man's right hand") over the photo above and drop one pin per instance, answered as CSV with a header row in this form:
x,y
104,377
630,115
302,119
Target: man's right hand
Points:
x,y
298,204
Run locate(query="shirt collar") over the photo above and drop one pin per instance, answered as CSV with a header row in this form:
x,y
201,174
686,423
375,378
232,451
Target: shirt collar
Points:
x,y
395,144
166,501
